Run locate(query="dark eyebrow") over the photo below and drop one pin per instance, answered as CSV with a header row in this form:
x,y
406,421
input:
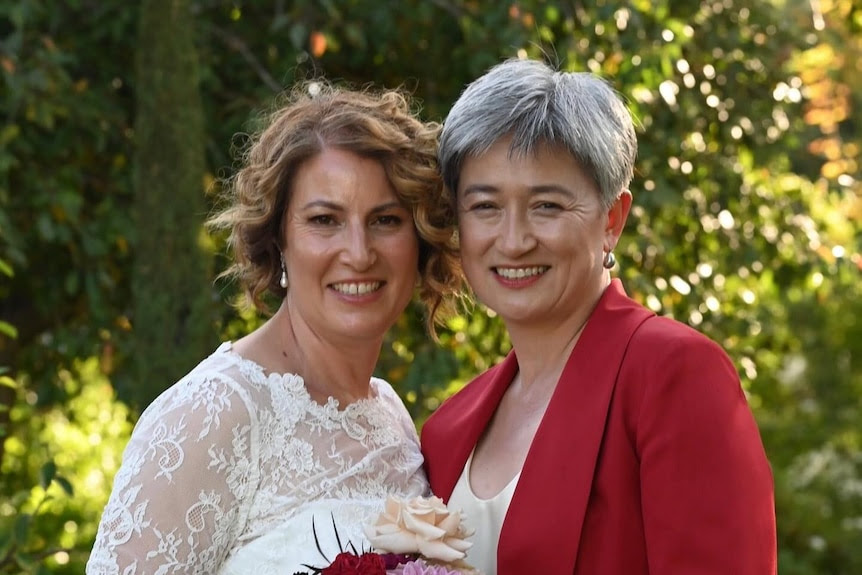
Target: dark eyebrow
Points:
x,y
551,189
480,189
394,205
339,208
540,189
323,204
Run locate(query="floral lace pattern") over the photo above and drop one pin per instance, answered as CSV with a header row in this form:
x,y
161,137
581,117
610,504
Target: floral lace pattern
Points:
x,y
231,454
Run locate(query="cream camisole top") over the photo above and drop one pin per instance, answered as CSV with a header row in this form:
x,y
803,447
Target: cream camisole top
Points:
x,y
485,516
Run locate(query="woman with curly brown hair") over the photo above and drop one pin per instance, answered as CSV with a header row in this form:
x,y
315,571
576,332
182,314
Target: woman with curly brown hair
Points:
x,y
339,212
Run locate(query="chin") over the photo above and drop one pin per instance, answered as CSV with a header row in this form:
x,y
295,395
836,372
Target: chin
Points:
x,y
521,316
364,331
521,320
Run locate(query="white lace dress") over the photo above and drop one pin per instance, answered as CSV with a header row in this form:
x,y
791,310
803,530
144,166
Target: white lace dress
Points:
x,y
227,470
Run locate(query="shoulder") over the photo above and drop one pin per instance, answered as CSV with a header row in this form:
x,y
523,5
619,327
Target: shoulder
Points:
x,y
395,409
662,339
652,333
387,395
389,398
669,365
384,389
219,393
210,420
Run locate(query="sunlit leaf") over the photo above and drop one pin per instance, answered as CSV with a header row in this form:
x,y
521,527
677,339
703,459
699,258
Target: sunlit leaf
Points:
x,y
8,329
6,269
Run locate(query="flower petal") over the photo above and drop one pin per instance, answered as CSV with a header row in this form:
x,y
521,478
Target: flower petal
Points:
x,y
439,550
400,542
422,529
450,524
459,544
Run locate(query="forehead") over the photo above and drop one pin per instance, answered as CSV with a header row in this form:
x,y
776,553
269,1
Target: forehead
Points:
x,y
501,166
341,176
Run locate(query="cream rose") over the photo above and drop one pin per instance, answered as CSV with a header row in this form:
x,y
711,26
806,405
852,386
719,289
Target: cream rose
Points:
x,y
421,525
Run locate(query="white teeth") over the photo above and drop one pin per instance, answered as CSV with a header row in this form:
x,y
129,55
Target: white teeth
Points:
x,y
521,273
356,288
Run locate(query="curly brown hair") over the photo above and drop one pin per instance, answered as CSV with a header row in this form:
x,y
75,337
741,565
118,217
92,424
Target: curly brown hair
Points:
x,y
378,125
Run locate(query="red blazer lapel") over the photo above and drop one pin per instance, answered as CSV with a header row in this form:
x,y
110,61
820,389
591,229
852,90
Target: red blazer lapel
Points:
x,y
454,429
542,529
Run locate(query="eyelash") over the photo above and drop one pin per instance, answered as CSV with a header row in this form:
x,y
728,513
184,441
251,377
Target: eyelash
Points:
x,y
387,220
480,206
323,220
548,206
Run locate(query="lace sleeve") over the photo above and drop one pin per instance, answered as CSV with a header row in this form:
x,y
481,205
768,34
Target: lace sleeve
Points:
x,y
182,493
402,416
396,406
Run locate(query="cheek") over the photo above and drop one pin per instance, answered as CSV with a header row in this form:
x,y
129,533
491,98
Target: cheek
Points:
x,y
404,262
405,251
474,244
471,256
468,236
306,251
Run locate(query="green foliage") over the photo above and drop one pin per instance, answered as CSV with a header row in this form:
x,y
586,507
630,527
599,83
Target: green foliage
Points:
x,y
63,180
21,549
746,219
57,470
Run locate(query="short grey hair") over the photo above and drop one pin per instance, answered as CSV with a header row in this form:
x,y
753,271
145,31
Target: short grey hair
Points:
x,y
538,105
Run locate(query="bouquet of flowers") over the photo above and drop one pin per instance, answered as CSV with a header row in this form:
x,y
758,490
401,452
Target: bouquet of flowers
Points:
x,y
419,536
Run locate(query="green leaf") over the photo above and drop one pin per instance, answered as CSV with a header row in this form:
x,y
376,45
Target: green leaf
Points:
x,y
9,133
8,329
65,485
7,544
25,560
7,381
6,269
22,527
47,474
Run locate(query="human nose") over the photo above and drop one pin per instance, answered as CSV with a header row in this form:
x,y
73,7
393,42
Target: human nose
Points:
x,y
359,252
516,234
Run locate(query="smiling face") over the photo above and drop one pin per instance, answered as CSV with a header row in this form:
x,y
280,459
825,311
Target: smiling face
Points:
x,y
351,250
533,234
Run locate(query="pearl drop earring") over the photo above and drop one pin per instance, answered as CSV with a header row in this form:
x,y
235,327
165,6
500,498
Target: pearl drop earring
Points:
x,y
283,281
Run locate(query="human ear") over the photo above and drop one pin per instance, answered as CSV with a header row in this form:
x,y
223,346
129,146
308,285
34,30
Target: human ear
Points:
x,y
617,214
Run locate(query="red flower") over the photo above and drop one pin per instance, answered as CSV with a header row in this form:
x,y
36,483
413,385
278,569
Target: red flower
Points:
x,y
350,564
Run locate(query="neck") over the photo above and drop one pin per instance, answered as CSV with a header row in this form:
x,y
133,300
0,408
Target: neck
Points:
x,y
341,370
543,348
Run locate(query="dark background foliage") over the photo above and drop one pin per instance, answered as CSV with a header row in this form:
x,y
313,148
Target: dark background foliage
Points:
x,y
118,120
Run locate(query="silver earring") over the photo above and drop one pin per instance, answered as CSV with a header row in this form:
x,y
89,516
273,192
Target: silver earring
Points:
x,y
283,281
609,261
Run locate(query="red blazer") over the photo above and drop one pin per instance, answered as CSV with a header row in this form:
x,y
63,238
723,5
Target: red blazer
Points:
x,y
647,460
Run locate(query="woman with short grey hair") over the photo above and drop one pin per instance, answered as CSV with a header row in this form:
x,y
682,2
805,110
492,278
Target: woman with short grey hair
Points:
x,y
610,440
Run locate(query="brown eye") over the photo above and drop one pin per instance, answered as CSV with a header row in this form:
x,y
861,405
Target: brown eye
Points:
x,y
481,206
549,206
389,220
322,220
